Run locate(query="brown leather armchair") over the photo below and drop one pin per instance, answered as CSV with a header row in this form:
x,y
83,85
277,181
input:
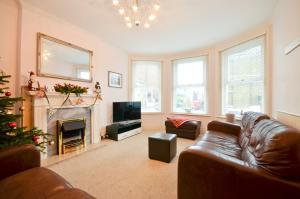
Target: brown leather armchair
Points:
x,y
22,177
259,159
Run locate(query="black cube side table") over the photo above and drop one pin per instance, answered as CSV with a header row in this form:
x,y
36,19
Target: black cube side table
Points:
x,y
162,146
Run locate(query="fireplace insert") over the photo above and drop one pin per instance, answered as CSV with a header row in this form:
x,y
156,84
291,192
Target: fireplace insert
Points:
x,y
71,135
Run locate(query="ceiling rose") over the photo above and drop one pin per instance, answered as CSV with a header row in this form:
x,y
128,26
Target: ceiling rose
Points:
x,y
137,12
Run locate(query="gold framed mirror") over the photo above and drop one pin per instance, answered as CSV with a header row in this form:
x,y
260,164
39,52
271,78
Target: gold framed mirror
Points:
x,y
63,60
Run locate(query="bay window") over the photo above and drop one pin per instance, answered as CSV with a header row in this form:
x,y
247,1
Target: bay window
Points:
x,y
146,84
189,85
243,75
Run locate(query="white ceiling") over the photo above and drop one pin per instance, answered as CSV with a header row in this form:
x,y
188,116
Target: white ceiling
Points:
x,y
181,24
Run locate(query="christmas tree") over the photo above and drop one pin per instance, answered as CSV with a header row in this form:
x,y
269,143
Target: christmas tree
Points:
x,y
10,133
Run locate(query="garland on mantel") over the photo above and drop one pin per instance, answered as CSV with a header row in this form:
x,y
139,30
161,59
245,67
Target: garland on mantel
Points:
x,y
67,89
70,88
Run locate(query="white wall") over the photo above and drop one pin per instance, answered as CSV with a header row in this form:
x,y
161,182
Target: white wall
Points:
x,y
29,21
8,40
105,57
286,68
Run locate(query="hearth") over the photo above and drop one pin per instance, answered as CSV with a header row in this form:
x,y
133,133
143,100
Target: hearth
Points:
x,y
71,135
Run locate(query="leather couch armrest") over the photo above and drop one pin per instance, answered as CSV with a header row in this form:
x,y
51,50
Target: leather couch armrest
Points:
x,y
17,159
72,194
224,127
207,174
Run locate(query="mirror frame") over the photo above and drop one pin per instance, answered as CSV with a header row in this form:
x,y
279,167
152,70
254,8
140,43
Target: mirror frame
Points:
x,y
41,36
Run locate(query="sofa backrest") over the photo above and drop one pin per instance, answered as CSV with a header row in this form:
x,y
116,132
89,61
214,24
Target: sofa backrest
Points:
x,y
275,148
249,120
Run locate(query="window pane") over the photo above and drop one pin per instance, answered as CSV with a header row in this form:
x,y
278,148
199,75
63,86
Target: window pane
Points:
x,y
190,73
189,100
146,85
189,83
246,64
246,97
243,77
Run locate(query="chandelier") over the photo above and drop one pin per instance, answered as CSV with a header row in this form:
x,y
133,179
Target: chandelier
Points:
x,y
137,12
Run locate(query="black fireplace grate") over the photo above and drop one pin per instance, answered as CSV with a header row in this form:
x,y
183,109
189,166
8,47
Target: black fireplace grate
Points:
x,y
71,135
73,125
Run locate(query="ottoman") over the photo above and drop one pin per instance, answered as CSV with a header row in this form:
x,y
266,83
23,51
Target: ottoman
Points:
x,y
162,146
190,129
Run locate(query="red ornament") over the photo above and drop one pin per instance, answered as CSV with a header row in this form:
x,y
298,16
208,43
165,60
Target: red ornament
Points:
x,y
12,124
35,138
7,94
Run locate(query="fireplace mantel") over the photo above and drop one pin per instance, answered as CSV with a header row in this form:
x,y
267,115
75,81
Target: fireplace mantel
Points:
x,y
36,110
56,99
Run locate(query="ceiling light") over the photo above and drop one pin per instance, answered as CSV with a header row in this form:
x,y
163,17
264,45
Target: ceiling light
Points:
x,y
138,13
137,22
129,24
115,2
135,8
151,17
121,11
147,25
156,7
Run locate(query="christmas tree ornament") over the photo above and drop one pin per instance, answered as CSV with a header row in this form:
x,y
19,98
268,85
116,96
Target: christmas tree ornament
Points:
x,y
35,139
7,94
12,124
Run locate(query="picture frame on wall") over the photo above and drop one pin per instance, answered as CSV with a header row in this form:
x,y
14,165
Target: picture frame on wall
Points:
x,y
114,79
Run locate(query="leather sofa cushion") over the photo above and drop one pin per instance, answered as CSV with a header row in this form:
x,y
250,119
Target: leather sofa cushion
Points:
x,y
220,143
35,183
249,120
276,148
192,125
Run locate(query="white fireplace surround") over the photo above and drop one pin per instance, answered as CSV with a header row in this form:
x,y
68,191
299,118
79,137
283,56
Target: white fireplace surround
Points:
x,y
40,109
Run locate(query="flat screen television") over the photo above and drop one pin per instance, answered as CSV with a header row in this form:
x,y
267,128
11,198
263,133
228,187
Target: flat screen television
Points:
x,y
125,111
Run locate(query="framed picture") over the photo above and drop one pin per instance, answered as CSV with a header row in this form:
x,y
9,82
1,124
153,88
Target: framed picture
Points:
x,y
114,79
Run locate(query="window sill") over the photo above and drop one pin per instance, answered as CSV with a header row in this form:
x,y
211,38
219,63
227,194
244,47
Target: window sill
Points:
x,y
224,117
153,113
190,114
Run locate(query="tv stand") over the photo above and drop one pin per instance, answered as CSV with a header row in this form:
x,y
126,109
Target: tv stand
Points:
x,y
121,130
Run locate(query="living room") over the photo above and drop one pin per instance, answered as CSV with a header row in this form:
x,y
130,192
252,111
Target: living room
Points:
x,y
164,99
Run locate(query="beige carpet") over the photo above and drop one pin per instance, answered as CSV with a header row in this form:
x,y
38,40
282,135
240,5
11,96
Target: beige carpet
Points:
x,y
123,170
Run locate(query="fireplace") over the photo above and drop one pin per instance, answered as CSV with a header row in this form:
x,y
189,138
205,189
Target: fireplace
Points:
x,y
71,135
37,109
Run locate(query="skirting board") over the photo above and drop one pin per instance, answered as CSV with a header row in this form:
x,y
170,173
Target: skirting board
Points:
x,y
290,119
130,133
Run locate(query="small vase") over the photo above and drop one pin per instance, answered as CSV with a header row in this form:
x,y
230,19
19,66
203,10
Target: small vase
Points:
x,y
230,117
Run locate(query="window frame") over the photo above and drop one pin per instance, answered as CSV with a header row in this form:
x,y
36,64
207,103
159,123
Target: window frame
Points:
x,y
204,84
262,79
161,84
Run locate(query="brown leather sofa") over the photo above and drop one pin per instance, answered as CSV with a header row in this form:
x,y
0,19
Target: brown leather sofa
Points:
x,y
259,159
21,177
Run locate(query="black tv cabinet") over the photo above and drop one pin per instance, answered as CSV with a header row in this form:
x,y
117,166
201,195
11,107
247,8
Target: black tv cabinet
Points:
x,y
121,130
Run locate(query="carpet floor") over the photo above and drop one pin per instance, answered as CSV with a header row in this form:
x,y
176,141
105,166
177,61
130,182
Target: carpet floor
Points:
x,y
123,170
